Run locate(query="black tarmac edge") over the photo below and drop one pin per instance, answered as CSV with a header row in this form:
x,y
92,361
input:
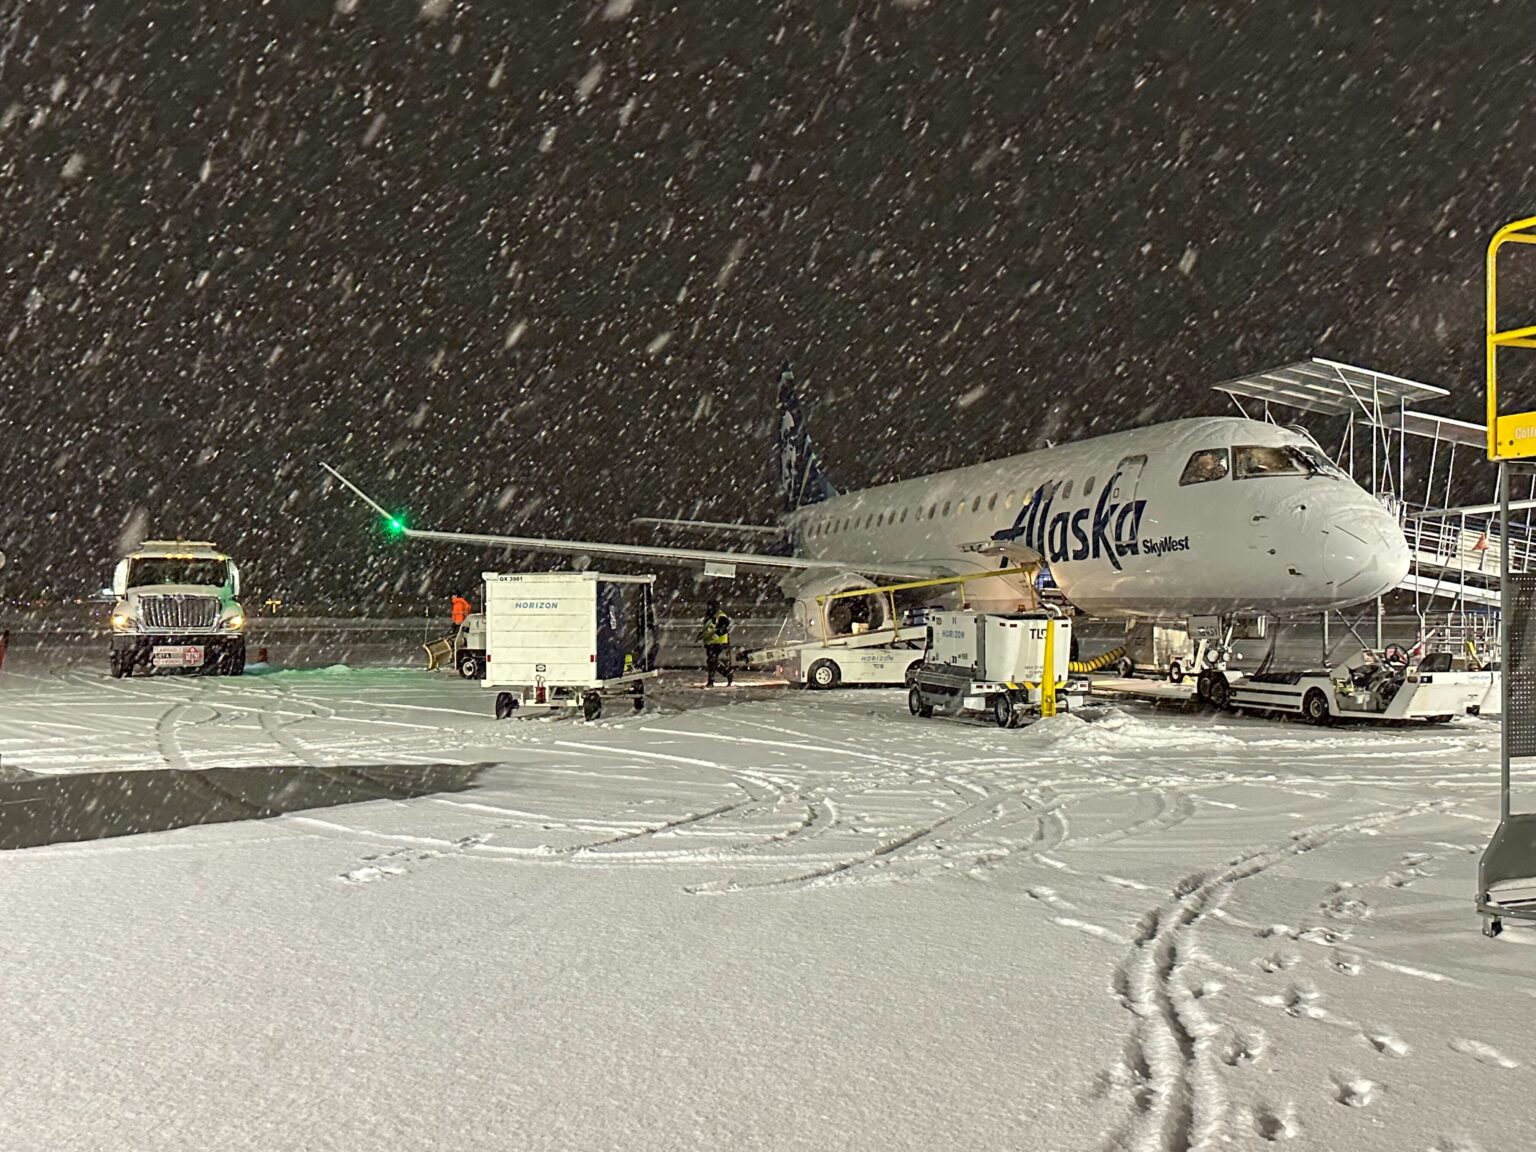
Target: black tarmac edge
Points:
x,y
37,810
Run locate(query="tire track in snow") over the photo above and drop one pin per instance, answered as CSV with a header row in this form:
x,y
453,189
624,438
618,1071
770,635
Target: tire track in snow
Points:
x,y
1174,1041
175,758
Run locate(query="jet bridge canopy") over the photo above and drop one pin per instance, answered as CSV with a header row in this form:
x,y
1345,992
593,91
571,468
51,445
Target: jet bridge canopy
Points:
x,y
1330,388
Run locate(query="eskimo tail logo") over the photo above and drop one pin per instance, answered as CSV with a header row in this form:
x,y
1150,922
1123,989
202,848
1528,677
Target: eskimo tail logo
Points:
x,y
802,480
1106,528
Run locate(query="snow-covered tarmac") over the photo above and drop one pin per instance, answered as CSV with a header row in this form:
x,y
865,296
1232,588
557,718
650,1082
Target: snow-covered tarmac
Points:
x,y
758,919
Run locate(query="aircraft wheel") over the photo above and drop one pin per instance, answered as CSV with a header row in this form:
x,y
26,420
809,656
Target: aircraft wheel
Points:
x,y
506,704
1315,707
823,674
1175,672
1002,710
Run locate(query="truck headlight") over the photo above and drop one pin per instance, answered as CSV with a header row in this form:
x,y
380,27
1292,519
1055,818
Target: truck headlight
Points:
x,y
235,620
121,620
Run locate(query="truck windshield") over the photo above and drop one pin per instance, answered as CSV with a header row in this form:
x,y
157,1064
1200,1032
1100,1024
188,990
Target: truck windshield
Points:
x,y
177,570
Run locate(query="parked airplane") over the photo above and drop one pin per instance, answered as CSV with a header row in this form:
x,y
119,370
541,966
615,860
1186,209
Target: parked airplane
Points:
x,y
1195,517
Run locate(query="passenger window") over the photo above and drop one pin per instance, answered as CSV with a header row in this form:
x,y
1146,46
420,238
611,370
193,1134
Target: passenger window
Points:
x,y
1264,460
932,509
1066,493
992,503
1207,464
976,504
946,507
1088,487
880,520
903,515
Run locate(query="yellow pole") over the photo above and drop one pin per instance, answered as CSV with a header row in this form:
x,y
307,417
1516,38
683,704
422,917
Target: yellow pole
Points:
x,y
1490,349
1517,232
1048,674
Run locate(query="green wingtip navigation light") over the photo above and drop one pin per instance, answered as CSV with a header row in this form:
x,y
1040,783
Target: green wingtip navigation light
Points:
x,y
394,525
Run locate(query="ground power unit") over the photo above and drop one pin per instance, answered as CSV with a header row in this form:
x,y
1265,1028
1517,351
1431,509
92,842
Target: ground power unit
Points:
x,y
996,664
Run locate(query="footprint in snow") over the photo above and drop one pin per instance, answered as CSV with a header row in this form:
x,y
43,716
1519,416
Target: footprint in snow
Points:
x,y
1342,907
1276,1124
1385,1042
371,872
1327,937
1483,1053
1346,963
1243,1048
1354,1091
1277,961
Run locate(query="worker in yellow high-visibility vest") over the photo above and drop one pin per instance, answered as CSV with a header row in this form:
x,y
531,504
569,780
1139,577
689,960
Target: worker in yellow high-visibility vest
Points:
x,y
715,635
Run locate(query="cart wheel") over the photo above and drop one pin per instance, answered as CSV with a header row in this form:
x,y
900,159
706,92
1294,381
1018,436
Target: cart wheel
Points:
x,y
1492,926
591,706
911,674
917,705
1203,687
505,705
1221,692
1002,710
1175,672
823,674
471,666
1315,707
1126,667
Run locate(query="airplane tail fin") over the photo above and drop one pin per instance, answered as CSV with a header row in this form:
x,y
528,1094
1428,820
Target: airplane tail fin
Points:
x,y
802,478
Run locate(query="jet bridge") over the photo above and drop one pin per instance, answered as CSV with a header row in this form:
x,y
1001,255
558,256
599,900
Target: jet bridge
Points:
x,y
1372,422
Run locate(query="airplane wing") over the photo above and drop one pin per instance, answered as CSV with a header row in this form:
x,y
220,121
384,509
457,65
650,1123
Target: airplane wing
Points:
x,y
716,526
720,563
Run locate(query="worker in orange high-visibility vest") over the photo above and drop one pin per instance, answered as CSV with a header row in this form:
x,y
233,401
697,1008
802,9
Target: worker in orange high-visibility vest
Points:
x,y
461,609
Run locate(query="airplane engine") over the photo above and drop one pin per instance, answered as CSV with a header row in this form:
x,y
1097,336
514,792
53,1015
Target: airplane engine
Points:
x,y
836,617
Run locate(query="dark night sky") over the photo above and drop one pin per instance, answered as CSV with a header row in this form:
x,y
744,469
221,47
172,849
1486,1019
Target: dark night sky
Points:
x,y
529,265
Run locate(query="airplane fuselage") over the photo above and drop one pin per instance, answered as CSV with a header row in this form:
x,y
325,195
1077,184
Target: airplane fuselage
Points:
x,y
1209,515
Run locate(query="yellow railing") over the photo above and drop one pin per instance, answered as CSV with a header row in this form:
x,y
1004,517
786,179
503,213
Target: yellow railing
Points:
x,y
1513,435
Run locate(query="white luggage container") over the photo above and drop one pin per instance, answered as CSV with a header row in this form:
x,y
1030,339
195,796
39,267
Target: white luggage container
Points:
x,y
566,639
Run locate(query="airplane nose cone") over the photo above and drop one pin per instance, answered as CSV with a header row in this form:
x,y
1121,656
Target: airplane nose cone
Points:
x,y
1365,555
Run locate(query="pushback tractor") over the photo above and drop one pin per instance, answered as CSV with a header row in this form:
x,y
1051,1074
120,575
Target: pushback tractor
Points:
x,y
1382,687
1012,667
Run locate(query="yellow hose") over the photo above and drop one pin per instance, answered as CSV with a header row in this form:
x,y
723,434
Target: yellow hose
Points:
x,y
1098,662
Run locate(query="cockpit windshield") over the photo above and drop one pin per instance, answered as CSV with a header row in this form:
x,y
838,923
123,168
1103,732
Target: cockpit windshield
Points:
x,y
1252,460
